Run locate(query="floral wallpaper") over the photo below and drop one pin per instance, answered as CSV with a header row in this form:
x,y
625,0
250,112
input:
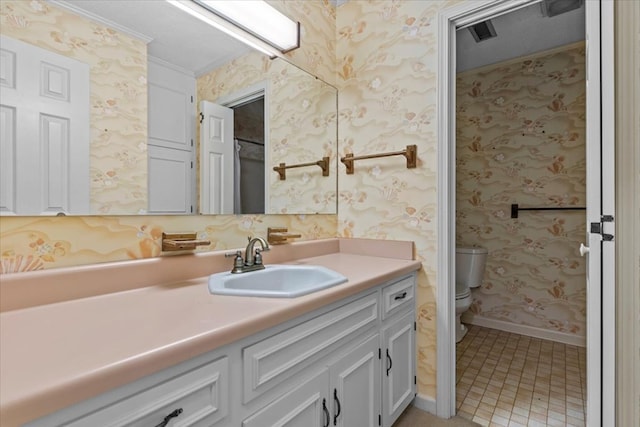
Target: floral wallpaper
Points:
x,y
118,96
37,243
387,80
303,128
521,139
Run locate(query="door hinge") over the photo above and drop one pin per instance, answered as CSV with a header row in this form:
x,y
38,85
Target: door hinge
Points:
x,y
192,99
415,327
415,380
380,353
598,227
201,117
192,142
379,419
191,209
191,165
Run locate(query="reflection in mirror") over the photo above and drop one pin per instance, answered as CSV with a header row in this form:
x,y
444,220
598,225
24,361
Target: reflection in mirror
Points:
x,y
147,70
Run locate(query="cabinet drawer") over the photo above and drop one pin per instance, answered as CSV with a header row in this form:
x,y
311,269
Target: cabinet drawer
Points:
x,y
202,393
398,296
273,360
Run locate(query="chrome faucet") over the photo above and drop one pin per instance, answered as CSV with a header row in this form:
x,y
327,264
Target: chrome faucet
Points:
x,y
253,257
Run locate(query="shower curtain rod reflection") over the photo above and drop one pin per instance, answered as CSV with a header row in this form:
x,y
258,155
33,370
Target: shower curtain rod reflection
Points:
x,y
250,141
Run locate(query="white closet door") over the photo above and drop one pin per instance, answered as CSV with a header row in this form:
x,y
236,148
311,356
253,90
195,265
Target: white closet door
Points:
x,y
171,150
45,131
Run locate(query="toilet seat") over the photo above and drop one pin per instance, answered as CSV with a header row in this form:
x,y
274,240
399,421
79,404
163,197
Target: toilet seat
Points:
x,y
463,295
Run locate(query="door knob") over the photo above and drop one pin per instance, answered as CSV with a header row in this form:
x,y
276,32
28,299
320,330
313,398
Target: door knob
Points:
x,y
583,249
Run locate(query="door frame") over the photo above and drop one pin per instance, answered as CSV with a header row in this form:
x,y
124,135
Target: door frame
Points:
x,y
243,96
449,20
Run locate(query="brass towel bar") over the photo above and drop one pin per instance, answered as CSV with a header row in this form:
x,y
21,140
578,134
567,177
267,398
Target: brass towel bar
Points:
x,y
410,153
324,165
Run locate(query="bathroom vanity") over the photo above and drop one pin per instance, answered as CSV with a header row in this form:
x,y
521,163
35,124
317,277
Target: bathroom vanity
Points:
x,y
343,356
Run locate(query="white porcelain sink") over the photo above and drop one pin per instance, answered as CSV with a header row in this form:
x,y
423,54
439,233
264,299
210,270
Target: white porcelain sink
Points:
x,y
277,281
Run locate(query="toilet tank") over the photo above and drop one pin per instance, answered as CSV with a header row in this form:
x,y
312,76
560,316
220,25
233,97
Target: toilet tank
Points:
x,y
470,263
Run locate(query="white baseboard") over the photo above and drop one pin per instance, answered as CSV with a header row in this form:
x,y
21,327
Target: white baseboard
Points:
x,y
425,403
530,331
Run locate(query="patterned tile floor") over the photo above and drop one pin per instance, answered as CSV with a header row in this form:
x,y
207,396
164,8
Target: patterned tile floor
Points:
x,y
506,379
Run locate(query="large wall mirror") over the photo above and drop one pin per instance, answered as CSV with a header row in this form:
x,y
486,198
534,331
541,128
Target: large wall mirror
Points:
x,y
134,107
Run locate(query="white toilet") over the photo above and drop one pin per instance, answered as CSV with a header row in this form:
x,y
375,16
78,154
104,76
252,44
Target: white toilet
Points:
x,y
470,263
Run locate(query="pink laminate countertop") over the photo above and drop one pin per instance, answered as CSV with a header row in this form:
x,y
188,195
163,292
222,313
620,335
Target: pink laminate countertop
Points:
x,y
56,355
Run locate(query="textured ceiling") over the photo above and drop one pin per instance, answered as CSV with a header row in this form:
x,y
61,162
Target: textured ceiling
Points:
x,y
519,33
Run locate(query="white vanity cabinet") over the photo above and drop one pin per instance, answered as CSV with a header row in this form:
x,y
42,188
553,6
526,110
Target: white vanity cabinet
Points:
x,y
349,364
371,373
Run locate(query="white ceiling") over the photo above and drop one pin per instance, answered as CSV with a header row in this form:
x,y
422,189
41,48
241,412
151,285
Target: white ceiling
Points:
x,y
175,36
519,33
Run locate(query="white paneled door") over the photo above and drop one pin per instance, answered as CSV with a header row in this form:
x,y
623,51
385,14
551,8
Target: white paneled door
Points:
x,y
216,159
600,215
44,138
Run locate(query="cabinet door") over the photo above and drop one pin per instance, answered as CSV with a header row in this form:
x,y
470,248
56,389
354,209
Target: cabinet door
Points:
x,y
355,386
398,364
305,406
169,180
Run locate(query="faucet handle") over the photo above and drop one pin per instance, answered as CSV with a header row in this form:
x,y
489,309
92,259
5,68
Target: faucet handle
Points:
x,y
233,254
238,262
258,257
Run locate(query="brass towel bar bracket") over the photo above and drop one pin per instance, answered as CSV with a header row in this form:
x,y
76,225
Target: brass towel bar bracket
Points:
x,y
181,241
280,235
411,153
281,169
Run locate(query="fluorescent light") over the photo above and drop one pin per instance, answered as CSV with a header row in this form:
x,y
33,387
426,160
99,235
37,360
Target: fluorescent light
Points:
x,y
259,18
253,22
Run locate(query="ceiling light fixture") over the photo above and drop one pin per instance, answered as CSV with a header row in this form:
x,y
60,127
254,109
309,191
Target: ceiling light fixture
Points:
x,y
253,22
